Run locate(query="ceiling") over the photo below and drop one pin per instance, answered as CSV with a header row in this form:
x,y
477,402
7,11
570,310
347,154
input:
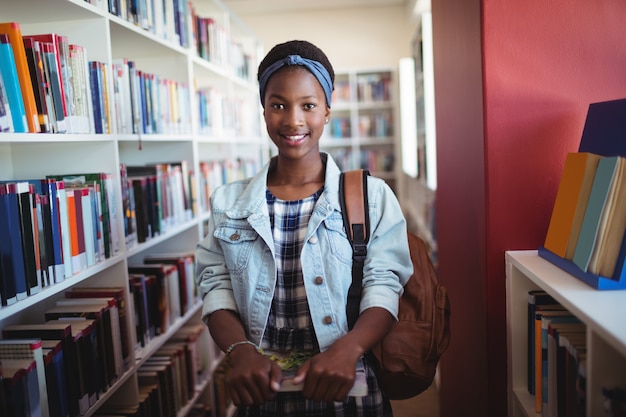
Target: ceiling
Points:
x,y
243,7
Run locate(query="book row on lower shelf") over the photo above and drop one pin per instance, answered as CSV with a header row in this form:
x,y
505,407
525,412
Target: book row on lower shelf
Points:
x,y
557,362
586,233
82,346
47,84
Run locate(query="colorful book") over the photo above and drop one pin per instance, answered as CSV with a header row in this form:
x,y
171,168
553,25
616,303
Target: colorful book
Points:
x,y
30,349
570,203
537,301
11,81
55,378
165,300
594,220
185,263
14,33
40,86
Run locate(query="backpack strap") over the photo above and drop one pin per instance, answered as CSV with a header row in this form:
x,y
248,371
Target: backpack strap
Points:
x,y
355,211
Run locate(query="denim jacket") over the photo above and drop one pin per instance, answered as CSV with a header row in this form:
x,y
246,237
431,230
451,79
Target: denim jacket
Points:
x,y
236,268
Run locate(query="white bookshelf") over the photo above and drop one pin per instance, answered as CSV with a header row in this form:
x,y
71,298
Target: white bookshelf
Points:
x,y
602,312
107,37
370,122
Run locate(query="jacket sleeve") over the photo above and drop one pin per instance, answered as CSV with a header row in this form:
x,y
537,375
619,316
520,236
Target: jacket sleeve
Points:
x,y
388,264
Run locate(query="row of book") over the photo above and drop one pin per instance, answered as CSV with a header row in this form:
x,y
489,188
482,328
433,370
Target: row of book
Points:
x,y
80,348
373,125
212,174
177,21
224,115
557,354
52,229
374,160
588,221
47,85
163,290
156,198
375,87
63,365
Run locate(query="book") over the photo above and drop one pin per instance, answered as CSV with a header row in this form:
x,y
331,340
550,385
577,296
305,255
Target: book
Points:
x,y
53,331
84,119
165,300
90,376
117,293
29,250
602,192
55,378
139,300
11,82
65,230
113,344
14,33
185,263
57,50
612,226
30,349
50,59
11,250
537,300
21,389
570,203
97,96
100,313
40,85
6,121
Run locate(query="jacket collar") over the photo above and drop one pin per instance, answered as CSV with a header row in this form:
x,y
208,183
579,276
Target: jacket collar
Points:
x,y
252,204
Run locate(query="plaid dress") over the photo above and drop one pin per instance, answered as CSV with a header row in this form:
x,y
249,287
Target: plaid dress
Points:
x,y
289,325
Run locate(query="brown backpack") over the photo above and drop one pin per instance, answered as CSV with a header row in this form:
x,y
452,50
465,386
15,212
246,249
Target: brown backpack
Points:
x,y
406,359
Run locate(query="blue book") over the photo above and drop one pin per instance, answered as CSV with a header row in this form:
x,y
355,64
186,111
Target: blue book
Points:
x,y
600,190
26,205
13,270
12,85
95,81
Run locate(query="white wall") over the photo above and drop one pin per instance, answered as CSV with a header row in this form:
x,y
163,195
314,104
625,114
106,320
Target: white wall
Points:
x,y
365,37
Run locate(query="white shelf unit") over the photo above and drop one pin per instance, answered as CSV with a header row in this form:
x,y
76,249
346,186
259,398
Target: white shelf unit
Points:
x,y
107,37
364,122
602,312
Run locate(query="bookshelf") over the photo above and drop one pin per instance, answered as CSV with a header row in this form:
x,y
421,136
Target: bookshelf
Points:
x,y
600,311
229,134
363,128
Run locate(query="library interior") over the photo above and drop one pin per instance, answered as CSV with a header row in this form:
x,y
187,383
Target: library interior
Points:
x,y
499,127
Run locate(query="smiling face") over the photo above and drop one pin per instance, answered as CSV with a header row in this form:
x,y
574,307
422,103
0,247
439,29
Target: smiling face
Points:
x,y
295,112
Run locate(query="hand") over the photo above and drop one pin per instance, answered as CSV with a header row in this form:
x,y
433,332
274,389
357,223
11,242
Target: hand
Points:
x,y
253,379
329,376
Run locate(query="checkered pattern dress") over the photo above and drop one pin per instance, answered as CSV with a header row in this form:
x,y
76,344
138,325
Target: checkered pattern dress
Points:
x,y
289,324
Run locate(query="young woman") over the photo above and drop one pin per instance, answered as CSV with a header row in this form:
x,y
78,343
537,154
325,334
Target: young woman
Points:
x,y
275,266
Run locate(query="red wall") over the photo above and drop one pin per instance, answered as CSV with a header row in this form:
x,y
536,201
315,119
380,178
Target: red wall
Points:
x,y
513,81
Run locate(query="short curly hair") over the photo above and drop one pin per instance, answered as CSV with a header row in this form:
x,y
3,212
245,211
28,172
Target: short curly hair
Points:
x,y
296,47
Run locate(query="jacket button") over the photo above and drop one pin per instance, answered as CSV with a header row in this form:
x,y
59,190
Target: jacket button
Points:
x,y
313,239
328,320
234,236
318,280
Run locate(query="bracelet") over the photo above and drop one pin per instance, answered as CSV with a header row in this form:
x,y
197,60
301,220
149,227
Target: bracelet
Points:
x,y
243,342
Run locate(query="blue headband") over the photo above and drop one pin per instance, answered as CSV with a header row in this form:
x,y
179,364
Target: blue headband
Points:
x,y
317,69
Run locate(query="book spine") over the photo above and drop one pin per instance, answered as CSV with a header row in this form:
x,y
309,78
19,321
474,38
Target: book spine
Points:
x,y
12,85
13,30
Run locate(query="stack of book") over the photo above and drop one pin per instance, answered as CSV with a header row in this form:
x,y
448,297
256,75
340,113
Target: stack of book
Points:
x,y
586,233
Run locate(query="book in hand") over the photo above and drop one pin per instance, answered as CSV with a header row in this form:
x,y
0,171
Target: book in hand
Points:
x,y
291,363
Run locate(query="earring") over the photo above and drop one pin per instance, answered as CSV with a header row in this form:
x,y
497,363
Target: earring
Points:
x,y
326,120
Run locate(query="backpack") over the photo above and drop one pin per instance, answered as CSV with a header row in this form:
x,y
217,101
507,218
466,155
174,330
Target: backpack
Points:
x,y
406,359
